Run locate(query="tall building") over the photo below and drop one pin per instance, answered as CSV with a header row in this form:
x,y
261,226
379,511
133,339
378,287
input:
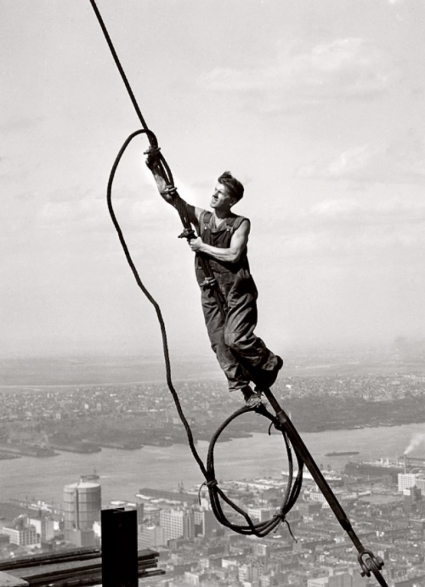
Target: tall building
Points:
x,y
406,481
82,505
177,523
44,527
205,522
420,484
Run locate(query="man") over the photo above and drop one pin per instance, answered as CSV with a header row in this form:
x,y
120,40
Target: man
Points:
x,y
223,238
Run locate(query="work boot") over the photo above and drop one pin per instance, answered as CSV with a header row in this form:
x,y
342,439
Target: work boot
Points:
x,y
268,378
252,398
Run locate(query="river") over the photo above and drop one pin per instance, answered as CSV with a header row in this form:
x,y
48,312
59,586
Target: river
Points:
x,y
123,473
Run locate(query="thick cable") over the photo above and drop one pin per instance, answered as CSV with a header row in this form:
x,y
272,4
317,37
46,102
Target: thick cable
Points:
x,y
212,483
214,490
290,497
216,494
118,64
163,165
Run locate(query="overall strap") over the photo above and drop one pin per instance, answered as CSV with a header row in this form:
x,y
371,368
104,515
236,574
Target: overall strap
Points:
x,y
234,223
205,219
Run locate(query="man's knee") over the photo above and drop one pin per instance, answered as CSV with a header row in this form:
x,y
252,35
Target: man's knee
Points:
x,y
234,342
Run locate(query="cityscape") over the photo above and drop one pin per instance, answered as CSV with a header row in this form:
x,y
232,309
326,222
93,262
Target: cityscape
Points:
x,y
382,496
124,459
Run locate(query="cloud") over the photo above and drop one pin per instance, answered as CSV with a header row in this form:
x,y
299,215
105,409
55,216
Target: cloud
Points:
x,y
355,227
402,161
371,211
12,170
349,68
23,123
83,213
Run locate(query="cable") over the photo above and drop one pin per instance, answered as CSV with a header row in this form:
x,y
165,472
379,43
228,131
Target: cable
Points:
x,y
216,494
119,66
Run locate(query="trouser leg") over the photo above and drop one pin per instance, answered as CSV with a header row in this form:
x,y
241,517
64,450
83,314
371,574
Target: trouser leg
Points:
x,y
239,337
235,373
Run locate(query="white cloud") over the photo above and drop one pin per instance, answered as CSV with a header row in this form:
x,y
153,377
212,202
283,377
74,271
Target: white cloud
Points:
x,y
402,161
21,124
358,227
370,211
349,68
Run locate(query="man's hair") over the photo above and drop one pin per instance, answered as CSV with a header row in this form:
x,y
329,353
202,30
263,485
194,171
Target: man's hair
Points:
x,y
233,186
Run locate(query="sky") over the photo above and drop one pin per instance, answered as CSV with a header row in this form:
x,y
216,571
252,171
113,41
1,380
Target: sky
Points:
x,y
317,106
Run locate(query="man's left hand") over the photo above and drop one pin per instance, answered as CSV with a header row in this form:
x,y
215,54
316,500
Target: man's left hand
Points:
x,y
195,244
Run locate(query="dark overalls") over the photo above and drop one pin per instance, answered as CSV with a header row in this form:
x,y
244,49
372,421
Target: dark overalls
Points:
x,y
243,356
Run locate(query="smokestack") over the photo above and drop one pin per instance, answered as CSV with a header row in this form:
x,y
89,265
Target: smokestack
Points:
x,y
405,463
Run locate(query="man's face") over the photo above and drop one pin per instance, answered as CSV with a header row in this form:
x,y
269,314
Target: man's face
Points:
x,y
220,198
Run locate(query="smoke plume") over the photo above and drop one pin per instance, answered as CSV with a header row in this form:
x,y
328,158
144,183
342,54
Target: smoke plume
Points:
x,y
415,441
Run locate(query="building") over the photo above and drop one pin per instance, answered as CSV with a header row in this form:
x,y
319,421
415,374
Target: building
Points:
x,y
192,579
406,481
82,505
44,527
177,523
334,578
22,535
308,508
248,573
374,470
205,523
260,549
179,498
261,514
151,537
420,484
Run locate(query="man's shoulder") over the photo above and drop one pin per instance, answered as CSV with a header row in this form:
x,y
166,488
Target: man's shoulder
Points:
x,y
238,220
205,215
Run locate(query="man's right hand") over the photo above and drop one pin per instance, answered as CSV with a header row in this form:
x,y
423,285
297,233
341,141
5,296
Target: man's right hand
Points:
x,y
209,283
152,157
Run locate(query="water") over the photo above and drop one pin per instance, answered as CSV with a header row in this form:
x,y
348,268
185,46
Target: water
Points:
x,y
123,473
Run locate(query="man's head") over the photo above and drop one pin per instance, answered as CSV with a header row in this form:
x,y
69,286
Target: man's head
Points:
x,y
234,188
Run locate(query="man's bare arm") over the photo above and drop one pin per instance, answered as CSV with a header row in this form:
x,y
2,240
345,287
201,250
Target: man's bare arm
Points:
x,y
170,198
232,254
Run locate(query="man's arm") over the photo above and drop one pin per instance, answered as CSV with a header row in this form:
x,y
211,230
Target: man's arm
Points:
x,y
170,198
238,245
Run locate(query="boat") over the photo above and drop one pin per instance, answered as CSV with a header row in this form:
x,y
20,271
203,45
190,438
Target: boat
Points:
x,y
90,477
121,444
342,453
332,477
27,450
379,468
81,447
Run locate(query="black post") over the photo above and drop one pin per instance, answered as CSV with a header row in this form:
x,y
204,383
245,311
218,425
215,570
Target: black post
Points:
x,y
119,548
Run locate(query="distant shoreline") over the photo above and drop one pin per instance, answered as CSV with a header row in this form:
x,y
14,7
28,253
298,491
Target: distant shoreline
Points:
x,y
107,370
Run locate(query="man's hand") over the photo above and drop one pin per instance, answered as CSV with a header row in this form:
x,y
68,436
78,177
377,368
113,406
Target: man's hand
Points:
x,y
195,244
209,283
152,157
